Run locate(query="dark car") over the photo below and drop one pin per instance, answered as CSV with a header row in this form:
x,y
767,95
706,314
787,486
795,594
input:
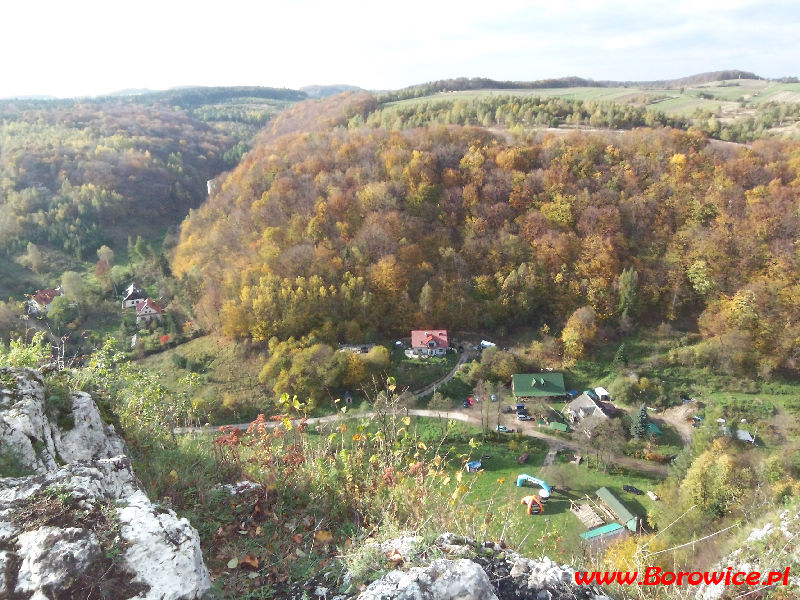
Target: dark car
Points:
x,y
633,490
467,404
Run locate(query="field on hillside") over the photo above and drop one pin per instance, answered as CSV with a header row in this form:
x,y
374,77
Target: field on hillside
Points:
x,y
230,388
733,96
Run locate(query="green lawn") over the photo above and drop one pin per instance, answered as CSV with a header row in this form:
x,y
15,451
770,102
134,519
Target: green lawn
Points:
x,y
415,373
557,530
230,378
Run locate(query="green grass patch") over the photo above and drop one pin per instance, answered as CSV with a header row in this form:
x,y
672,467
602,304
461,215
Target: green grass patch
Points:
x,y
415,373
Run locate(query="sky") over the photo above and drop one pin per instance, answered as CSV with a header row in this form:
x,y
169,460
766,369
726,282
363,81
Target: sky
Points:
x,y
73,48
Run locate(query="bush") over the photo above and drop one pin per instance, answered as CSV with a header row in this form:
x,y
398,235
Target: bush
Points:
x,y
179,361
194,366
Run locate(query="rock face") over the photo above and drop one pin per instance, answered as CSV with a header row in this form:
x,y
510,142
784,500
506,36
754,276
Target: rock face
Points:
x,y
80,526
475,572
772,547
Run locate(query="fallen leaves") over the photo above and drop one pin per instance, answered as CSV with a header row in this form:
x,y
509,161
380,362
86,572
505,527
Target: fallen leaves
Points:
x,y
323,536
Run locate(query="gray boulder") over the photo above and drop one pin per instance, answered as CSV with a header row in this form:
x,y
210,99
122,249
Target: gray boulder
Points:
x,y
442,580
475,571
84,528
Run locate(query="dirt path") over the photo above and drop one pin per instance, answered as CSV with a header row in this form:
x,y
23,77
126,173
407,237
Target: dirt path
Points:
x,y
466,416
677,415
465,356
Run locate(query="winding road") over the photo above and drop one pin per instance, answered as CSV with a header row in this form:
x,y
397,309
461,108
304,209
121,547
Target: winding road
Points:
x,y
466,416
528,428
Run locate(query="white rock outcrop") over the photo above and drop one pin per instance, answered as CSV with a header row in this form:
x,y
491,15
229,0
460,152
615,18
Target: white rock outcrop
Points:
x,y
84,528
472,571
772,547
443,579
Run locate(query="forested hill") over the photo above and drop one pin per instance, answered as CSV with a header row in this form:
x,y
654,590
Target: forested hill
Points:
x,y
353,232
76,174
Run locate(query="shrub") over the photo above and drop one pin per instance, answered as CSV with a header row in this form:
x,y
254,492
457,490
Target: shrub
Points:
x,y
194,366
179,361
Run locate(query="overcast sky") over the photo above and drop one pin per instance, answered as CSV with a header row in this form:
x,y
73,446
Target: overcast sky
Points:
x,y
87,47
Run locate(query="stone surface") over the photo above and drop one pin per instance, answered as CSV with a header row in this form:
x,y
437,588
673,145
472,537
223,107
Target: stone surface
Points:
x,y
442,580
87,523
770,547
481,571
90,438
164,551
51,557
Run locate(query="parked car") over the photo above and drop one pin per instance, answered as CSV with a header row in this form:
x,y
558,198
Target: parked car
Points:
x,y
494,397
467,404
653,496
523,417
503,429
633,490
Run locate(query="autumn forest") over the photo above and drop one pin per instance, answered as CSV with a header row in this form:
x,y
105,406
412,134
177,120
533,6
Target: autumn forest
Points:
x,y
348,230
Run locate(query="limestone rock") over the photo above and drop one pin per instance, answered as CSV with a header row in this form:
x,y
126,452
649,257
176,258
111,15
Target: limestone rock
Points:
x,y
86,525
51,558
443,580
483,571
90,438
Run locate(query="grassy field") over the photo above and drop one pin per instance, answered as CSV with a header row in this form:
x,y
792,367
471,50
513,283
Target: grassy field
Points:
x,y
230,378
415,373
733,97
557,530
489,507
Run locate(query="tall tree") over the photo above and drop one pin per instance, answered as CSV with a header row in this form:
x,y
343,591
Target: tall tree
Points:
x,y
105,253
639,423
628,283
72,284
33,257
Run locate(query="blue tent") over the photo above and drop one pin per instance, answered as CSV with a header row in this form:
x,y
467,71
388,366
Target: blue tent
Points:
x,y
474,466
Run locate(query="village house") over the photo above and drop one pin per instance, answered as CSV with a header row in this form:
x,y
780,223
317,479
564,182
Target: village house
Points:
x,y
132,296
582,407
429,342
148,310
40,302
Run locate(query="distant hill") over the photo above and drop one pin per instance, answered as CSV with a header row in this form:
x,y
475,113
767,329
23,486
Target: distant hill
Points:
x,y
482,83
323,91
195,96
78,173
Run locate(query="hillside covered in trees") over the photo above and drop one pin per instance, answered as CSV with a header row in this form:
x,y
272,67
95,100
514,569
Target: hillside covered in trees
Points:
x,y
77,174
337,230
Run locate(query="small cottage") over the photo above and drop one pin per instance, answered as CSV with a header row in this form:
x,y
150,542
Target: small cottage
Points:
x,y
148,310
429,342
132,296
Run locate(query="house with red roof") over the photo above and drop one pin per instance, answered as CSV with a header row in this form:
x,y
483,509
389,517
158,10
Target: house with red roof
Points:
x,y
40,301
148,310
429,342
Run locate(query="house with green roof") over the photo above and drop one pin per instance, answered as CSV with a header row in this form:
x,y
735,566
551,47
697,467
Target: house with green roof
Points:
x,y
615,505
538,385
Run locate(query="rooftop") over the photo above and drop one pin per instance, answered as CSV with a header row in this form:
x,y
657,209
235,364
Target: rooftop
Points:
x,y
531,385
615,504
